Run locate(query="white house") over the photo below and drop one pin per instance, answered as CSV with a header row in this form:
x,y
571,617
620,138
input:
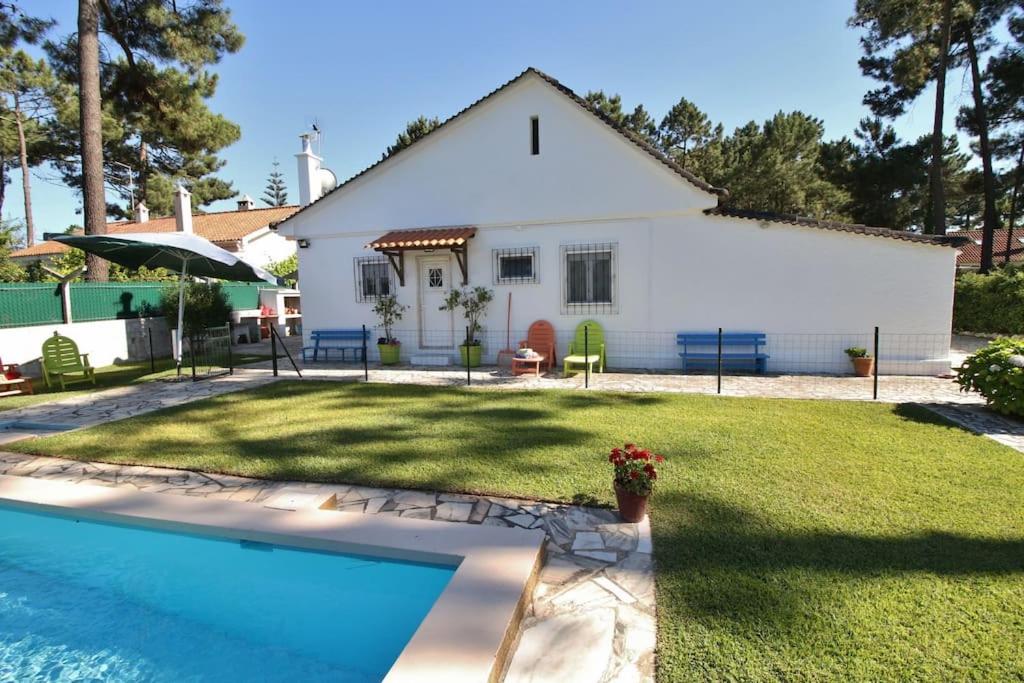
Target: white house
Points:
x,y
245,232
529,191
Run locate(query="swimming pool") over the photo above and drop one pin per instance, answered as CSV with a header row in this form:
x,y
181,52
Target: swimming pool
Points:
x,y
82,599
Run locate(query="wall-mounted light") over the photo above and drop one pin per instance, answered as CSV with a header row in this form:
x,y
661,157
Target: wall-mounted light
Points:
x,y
303,244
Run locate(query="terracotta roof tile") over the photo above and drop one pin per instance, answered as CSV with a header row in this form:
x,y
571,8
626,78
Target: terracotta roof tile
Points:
x,y
423,237
223,228
949,240
970,252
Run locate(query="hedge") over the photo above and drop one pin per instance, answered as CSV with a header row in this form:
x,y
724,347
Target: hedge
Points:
x,y
991,303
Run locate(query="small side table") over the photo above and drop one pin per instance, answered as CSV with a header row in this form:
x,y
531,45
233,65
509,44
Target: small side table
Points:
x,y
524,366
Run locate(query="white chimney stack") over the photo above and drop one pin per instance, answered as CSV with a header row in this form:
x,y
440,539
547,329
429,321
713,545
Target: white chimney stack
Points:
x,y
310,185
183,209
246,203
141,213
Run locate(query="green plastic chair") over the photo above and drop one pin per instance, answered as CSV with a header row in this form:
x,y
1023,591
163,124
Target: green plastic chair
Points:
x,y
595,347
63,364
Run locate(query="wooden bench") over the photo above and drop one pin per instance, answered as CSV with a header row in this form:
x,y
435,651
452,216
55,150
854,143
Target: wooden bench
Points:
x,y
757,360
335,340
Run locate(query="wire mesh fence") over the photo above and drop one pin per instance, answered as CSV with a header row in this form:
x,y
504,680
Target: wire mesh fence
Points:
x,y
916,366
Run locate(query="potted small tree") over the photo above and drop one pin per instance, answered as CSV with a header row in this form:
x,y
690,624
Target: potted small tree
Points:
x,y
635,474
474,305
863,364
389,311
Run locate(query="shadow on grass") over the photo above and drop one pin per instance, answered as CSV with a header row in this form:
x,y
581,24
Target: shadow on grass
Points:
x,y
719,561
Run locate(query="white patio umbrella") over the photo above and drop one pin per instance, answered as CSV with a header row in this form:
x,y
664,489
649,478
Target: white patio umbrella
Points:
x,y
181,252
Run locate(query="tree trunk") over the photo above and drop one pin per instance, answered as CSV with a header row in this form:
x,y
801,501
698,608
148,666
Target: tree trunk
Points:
x,y
26,181
936,185
1013,203
990,220
143,173
90,124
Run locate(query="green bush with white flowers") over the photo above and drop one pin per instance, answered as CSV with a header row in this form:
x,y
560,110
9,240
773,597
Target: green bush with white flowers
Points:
x,y
997,373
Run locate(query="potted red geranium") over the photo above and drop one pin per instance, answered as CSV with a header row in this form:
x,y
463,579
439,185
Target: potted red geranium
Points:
x,y
635,474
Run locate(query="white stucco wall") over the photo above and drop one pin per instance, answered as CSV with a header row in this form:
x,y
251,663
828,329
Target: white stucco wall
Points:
x,y
265,247
814,292
106,341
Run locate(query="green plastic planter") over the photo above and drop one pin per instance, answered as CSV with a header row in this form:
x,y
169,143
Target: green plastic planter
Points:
x,y
474,355
389,353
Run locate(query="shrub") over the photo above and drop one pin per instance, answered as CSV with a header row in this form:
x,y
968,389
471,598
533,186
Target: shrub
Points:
x,y
389,312
206,305
990,303
474,304
997,373
856,352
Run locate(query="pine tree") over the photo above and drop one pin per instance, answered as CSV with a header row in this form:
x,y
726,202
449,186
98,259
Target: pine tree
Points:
x,y
275,194
414,130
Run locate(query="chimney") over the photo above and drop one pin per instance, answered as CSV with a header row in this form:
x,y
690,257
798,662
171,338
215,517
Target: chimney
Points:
x,y
246,203
141,213
182,209
310,185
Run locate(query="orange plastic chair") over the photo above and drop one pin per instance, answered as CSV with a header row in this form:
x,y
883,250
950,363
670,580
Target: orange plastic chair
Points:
x,y
541,338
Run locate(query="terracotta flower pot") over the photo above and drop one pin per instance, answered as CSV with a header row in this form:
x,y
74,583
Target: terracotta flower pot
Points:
x,y
632,508
389,353
863,367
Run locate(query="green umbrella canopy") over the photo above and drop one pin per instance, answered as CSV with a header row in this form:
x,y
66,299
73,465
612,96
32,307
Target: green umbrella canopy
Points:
x,y
175,251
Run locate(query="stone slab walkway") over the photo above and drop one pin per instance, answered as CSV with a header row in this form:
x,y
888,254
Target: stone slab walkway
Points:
x,y
117,403
891,389
981,420
591,618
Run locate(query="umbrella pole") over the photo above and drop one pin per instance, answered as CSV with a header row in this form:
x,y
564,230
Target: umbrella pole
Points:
x,y
181,309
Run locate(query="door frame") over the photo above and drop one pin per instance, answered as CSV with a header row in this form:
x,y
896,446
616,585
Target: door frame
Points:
x,y
421,262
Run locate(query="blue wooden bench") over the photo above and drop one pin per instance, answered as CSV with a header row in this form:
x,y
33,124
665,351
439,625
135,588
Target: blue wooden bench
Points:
x,y
754,341
336,340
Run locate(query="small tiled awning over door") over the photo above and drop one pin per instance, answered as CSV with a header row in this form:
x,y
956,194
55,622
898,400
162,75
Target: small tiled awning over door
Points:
x,y
394,244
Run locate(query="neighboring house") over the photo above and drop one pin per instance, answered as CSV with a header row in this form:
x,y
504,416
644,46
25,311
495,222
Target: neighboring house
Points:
x,y
970,252
245,232
529,191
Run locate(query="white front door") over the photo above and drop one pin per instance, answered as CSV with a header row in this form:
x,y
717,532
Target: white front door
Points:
x,y
435,324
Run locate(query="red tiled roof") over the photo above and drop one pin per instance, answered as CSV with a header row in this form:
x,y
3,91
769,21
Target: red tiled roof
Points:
x,y
423,237
970,252
223,228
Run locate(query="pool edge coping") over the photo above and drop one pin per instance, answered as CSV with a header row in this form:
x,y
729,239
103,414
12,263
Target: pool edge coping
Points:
x,y
469,630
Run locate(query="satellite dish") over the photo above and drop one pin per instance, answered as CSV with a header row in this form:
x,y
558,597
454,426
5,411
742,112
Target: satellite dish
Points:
x,y
328,181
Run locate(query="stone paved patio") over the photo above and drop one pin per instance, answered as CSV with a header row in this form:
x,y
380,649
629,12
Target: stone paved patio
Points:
x,y
591,618
117,403
892,389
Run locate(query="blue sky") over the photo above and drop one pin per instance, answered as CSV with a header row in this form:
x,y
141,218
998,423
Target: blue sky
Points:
x,y
364,69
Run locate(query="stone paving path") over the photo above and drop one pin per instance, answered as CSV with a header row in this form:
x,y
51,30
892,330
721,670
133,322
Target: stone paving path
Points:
x,y
892,389
591,618
981,420
117,403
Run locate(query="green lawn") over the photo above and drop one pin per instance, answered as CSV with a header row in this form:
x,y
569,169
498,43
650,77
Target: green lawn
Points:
x,y
797,540
106,377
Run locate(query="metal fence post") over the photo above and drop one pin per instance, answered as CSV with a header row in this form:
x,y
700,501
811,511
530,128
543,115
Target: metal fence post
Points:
x,y
719,360
192,353
874,394
469,381
231,357
366,366
586,356
152,362
273,350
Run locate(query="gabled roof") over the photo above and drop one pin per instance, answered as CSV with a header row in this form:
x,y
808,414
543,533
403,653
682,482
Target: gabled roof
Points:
x,y
223,228
948,240
582,103
970,252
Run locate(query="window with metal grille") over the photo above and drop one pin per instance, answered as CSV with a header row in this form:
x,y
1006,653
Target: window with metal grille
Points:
x,y
373,278
589,277
515,266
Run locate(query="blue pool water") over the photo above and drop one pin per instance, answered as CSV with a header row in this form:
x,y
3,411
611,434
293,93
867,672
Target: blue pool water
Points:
x,y
83,600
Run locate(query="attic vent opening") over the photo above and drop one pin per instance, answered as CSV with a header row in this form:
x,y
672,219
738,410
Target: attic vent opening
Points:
x,y
534,135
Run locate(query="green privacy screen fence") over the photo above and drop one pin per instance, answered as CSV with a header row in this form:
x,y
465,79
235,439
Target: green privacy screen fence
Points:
x,y
24,304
